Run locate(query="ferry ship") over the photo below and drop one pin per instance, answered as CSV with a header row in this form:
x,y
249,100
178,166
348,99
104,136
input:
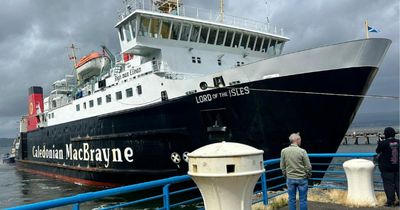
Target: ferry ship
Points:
x,y
187,77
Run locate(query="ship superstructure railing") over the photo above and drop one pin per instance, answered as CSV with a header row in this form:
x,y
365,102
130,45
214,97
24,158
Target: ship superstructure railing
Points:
x,y
202,14
327,172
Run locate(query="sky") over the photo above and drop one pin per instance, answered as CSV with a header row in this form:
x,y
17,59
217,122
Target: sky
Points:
x,y
35,35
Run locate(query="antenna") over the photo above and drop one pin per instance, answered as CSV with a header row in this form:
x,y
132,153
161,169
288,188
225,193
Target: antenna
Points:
x,y
267,10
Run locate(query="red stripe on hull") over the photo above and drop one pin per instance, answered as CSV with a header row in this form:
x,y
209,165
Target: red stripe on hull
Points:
x,y
69,179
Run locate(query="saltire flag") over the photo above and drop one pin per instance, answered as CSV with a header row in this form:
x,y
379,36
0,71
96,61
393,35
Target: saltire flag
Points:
x,y
373,30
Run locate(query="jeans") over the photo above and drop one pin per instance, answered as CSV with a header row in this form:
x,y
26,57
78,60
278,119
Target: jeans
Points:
x,y
302,186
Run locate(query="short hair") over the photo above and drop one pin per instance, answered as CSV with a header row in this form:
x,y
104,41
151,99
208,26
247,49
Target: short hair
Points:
x,y
294,136
389,132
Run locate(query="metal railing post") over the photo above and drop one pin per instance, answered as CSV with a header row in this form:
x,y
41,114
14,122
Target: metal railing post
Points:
x,y
75,206
264,189
166,196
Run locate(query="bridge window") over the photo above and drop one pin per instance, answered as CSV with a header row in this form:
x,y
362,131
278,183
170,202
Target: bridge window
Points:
x,y
278,47
258,44
78,107
176,27
228,40
144,26
185,32
221,37
264,47
251,42
195,33
165,28
84,105
133,27
127,31
121,33
203,34
212,35
236,40
91,104
243,44
271,48
154,27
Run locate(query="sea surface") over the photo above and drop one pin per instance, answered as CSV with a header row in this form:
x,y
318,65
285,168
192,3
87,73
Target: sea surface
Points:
x,y
19,187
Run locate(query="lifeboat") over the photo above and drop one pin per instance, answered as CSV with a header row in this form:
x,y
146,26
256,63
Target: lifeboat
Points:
x,y
91,65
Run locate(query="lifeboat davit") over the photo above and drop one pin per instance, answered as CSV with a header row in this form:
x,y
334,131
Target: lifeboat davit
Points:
x,y
91,65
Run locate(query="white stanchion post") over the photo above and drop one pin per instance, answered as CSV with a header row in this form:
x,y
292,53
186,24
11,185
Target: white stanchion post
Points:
x,y
226,174
360,185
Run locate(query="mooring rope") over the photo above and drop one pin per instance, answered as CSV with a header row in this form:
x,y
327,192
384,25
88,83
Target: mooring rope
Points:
x,y
321,93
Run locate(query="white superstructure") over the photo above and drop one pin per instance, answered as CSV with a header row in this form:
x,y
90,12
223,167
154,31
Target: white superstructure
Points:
x,y
166,55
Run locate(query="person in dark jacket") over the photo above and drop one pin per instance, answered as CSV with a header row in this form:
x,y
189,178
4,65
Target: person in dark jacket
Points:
x,y
388,151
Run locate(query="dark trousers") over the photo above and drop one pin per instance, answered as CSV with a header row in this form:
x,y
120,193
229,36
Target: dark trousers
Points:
x,y
390,185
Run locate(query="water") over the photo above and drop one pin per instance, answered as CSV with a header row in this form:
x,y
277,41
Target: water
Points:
x,y
19,187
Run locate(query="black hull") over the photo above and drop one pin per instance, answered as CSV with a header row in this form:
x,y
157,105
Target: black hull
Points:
x,y
247,114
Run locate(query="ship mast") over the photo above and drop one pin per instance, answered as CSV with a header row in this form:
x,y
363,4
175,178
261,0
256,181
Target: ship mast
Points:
x,y
221,10
73,56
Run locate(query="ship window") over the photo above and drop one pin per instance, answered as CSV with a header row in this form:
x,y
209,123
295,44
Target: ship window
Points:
x,y
165,26
245,37
144,26
118,95
84,105
258,44
121,33
219,81
193,59
133,27
99,101
198,60
91,104
185,32
236,40
203,34
154,27
265,45
195,33
127,32
139,89
278,47
211,37
52,115
176,27
219,62
78,107
228,40
164,95
221,37
271,48
251,42
129,92
108,98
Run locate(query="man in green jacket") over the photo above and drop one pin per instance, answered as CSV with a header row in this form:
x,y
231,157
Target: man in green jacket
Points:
x,y
296,168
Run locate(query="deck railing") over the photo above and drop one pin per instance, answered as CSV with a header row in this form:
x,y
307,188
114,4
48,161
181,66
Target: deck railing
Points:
x,y
270,185
202,14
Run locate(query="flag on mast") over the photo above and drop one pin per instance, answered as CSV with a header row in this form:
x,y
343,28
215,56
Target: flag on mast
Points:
x,y
370,29
374,30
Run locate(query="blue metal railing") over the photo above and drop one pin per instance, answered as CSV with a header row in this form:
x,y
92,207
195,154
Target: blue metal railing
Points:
x,y
272,176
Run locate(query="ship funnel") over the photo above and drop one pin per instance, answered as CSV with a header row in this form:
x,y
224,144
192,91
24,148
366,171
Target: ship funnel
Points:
x,y
35,106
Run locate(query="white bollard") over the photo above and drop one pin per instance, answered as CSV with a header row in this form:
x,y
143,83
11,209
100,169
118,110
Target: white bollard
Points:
x,y
226,174
360,185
